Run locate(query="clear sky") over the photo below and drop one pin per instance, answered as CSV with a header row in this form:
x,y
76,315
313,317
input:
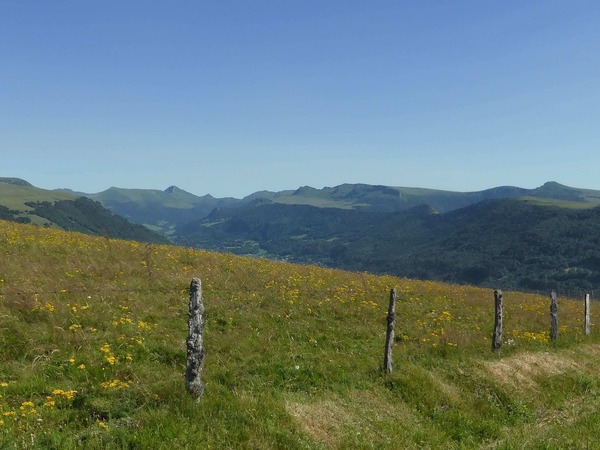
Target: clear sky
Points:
x,y
232,97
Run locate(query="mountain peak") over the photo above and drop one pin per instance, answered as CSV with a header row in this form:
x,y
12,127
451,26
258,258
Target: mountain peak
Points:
x,y
553,184
558,191
305,190
172,189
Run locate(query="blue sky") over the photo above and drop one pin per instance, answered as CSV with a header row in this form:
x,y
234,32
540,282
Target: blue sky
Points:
x,y
232,97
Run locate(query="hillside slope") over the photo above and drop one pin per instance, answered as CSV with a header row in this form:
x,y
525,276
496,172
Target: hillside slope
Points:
x,y
512,242
92,342
90,217
22,202
15,193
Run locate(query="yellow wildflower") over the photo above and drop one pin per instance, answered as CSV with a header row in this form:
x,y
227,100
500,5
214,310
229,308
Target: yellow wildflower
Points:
x,y
67,394
114,384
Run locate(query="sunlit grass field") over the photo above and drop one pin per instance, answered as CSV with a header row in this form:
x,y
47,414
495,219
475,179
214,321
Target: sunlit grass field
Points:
x,y
92,355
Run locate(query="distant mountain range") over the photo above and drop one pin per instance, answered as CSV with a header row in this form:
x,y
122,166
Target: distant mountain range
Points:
x,y
168,210
540,239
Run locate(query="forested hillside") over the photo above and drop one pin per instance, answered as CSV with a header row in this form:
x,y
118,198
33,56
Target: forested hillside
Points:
x,y
497,242
22,202
87,216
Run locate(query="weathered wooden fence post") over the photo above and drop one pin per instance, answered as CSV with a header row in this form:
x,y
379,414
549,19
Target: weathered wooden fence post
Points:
x,y
586,307
553,317
497,337
195,348
389,337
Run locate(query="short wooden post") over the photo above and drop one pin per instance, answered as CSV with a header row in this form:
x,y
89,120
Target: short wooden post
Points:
x,y
195,348
497,337
389,337
553,317
586,307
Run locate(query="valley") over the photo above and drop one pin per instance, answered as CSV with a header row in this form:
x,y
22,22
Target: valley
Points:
x,y
540,239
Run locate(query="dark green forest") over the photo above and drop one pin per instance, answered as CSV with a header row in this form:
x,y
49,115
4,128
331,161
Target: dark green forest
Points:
x,y
90,217
498,243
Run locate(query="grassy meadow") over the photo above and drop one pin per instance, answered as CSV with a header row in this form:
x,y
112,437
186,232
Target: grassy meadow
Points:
x,y
93,355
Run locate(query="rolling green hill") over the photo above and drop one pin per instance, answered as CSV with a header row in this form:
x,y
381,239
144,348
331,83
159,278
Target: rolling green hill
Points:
x,y
22,202
392,199
389,199
15,193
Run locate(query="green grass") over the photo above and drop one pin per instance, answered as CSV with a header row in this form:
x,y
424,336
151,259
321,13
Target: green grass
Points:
x,y
587,204
92,340
317,202
15,196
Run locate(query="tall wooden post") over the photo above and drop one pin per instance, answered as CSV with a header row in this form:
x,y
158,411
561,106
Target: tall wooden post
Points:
x,y
553,317
389,337
195,348
586,307
497,337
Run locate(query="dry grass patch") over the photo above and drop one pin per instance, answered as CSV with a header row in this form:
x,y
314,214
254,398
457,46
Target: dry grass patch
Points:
x,y
562,385
519,371
362,419
452,391
322,420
